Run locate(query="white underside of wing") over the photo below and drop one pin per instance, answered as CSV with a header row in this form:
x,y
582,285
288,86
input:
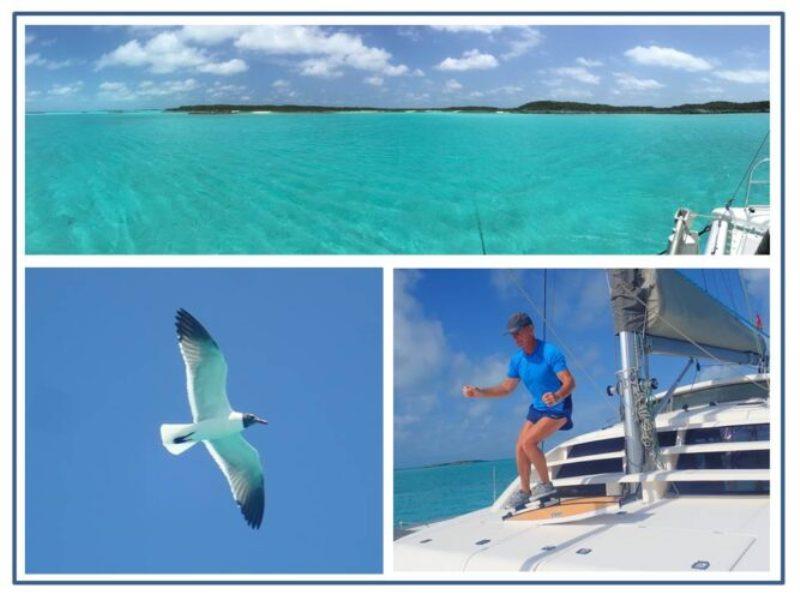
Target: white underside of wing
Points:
x,y
241,465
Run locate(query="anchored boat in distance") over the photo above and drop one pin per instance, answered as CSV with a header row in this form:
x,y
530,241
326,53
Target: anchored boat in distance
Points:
x,y
681,483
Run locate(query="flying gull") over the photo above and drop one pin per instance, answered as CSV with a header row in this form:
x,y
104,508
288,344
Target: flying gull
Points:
x,y
216,424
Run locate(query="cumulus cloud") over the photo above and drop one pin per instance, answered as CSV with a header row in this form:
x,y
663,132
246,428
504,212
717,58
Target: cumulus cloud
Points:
x,y
588,62
470,60
744,76
528,39
578,74
667,57
467,28
629,83
331,50
65,89
420,346
452,85
120,91
227,90
230,67
167,88
167,52
37,60
374,80
116,90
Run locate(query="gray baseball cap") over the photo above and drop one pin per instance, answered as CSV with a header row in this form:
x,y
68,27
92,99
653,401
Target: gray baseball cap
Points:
x,y
517,321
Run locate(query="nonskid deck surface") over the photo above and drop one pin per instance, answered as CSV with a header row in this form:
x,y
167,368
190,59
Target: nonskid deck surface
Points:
x,y
568,509
730,533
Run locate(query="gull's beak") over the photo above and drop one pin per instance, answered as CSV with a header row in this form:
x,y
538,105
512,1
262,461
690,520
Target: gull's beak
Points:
x,y
262,421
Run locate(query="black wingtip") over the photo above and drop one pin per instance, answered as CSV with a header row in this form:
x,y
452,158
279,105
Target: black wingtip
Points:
x,y
187,327
253,509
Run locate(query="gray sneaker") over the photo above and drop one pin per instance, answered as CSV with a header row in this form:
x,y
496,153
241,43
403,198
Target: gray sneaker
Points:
x,y
542,490
517,500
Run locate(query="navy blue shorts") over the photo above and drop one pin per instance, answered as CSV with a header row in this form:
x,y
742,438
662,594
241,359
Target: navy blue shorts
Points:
x,y
535,414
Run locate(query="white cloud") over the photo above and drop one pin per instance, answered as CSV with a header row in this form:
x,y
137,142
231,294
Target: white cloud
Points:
x,y
115,90
167,88
452,85
374,80
471,59
230,67
324,68
331,50
420,346
219,90
578,74
280,84
667,57
29,38
588,62
744,76
467,28
528,39
210,34
628,82
37,60
163,53
757,282
65,89
418,73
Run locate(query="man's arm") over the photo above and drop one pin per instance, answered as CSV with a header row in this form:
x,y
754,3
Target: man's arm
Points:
x,y
508,385
567,385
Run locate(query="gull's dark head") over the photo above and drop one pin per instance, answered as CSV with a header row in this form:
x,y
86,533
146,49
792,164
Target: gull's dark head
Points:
x,y
249,419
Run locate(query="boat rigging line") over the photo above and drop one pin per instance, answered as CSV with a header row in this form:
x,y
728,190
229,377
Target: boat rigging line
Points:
x,y
746,172
685,336
572,356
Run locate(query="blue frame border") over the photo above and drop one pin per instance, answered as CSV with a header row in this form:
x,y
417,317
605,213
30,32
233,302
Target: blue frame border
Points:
x,y
15,15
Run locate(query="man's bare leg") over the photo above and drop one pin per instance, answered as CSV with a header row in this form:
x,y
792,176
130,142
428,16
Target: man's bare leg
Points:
x,y
542,429
523,462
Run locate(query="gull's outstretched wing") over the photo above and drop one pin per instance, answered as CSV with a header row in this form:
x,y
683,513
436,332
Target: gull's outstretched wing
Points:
x,y
241,465
206,369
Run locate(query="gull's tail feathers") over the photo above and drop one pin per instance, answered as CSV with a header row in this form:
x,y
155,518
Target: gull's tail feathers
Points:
x,y
176,438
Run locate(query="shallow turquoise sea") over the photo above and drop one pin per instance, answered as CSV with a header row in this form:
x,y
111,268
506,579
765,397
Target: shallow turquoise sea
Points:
x,y
163,183
427,494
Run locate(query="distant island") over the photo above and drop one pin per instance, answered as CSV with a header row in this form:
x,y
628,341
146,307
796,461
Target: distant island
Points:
x,y
538,107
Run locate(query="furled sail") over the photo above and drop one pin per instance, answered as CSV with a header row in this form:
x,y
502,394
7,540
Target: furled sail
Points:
x,y
664,305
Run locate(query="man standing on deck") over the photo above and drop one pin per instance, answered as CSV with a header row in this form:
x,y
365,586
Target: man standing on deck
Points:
x,y
543,369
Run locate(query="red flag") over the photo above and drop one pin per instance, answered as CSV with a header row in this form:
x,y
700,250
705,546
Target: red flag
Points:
x,y
759,322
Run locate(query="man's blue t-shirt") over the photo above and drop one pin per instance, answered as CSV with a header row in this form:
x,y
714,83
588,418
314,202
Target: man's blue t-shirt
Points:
x,y
538,372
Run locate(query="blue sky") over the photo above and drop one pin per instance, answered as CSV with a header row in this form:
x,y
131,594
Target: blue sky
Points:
x,y
103,371
113,67
448,332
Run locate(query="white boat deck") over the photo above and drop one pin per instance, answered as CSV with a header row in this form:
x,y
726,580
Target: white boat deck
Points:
x,y
669,535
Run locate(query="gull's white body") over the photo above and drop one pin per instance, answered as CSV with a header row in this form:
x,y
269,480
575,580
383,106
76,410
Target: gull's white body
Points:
x,y
202,431
216,424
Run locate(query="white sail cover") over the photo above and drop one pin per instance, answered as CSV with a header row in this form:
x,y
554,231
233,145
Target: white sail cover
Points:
x,y
663,303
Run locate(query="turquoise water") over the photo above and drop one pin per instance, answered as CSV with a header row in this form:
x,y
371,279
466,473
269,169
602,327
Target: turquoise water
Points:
x,y
429,494
163,183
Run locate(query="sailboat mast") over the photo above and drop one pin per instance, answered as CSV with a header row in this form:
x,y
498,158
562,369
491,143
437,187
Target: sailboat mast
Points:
x,y
544,320
628,385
